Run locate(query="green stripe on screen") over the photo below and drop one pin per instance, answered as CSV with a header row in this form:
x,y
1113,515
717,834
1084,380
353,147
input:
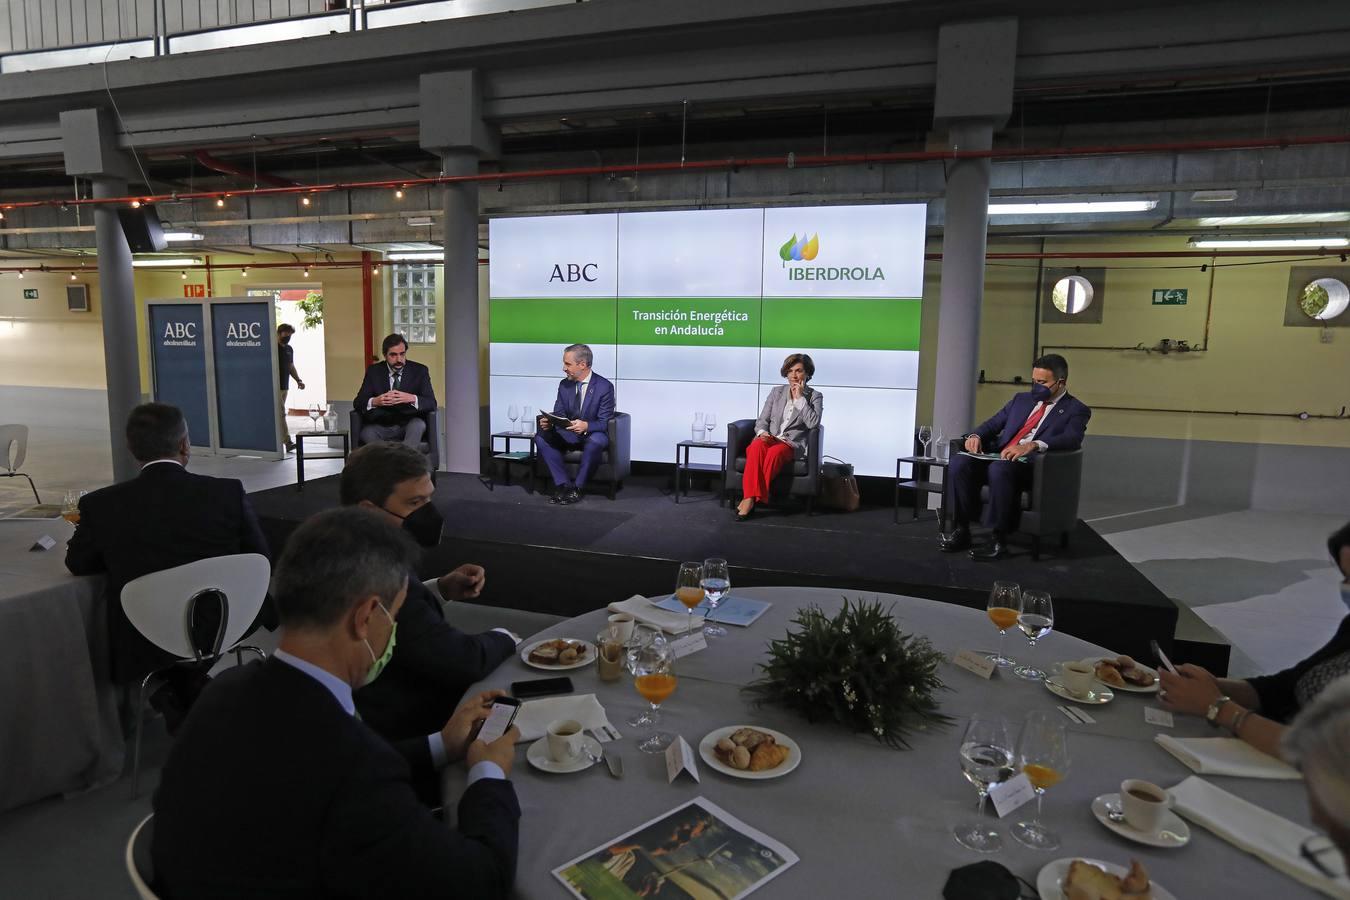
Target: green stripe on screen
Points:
x,y
562,320
694,314
841,323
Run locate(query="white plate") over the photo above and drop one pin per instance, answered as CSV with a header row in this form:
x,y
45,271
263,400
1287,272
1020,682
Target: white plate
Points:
x,y
586,660
1049,878
1173,833
539,758
1095,697
1132,688
705,750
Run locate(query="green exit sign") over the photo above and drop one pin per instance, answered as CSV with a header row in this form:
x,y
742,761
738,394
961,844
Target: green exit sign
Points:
x,y
30,293
1169,297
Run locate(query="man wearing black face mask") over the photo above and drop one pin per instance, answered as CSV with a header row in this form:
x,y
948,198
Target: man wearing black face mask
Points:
x,y
1045,418
435,663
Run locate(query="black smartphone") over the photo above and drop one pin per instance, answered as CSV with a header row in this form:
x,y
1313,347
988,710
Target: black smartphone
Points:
x,y
1159,655
542,687
499,719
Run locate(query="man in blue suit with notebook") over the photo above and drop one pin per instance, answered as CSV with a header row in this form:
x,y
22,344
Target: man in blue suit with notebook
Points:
x,y
586,401
1045,418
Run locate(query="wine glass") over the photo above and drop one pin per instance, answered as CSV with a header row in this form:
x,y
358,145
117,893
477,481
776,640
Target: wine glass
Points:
x,y
643,635
688,590
512,413
654,678
986,759
710,423
716,582
925,437
314,414
1005,605
1043,754
70,507
1036,620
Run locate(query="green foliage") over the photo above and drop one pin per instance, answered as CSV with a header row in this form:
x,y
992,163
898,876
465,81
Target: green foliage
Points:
x,y
1315,299
312,308
857,668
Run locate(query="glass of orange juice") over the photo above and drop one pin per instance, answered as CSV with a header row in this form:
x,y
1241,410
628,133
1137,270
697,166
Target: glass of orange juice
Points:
x,y
1043,754
654,678
689,587
70,507
1005,605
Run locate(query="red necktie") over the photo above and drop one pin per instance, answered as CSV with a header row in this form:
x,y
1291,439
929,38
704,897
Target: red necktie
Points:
x,y
1032,421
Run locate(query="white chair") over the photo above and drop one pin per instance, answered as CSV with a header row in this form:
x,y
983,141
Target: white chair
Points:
x,y
13,450
139,866
168,608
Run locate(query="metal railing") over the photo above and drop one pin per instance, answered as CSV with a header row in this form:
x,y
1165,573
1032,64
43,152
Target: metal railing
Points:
x,y
43,34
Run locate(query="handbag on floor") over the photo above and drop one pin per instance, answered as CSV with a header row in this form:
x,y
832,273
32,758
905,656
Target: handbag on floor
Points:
x,y
838,487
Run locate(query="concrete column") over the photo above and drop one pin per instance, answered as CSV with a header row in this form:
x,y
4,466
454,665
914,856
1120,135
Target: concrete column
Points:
x,y
117,294
964,240
460,328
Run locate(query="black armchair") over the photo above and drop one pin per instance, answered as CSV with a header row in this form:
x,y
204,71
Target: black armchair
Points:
x,y
430,445
1050,502
616,462
801,479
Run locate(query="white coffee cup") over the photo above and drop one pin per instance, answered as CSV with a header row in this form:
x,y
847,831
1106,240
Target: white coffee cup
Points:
x,y
1078,677
564,740
622,625
1144,804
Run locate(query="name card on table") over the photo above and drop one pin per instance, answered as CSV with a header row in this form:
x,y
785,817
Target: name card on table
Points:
x,y
977,663
680,758
692,642
44,543
1155,716
1011,794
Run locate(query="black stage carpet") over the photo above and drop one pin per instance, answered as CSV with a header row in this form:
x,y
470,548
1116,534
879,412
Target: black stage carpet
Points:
x,y
567,560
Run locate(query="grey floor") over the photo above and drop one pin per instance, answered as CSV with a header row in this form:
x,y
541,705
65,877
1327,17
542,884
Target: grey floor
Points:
x,y
1260,579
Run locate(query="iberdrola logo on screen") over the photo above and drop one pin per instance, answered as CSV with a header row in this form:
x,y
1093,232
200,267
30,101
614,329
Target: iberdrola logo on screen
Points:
x,y
804,250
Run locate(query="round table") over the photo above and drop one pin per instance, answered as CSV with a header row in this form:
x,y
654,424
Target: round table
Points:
x,y
855,811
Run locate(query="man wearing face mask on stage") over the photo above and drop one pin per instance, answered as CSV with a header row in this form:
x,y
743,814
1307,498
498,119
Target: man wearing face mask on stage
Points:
x,y
1045,418
435,662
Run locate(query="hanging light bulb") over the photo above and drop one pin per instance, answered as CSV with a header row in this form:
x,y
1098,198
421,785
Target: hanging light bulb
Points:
x,y
21,273
135,204
244,271
304,201
220,201
398,194
184,276
2,215
306,271
72,276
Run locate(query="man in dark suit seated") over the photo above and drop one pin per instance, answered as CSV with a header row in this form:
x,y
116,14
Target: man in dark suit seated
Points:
x,y
393,396
276,788
435,663
586,400
164,517
1045,418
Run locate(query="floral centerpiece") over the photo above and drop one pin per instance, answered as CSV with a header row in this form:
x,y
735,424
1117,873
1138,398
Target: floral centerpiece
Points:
x,y
858,668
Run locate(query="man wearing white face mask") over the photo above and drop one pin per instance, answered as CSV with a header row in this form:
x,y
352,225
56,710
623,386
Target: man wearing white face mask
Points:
x,y
1256,709
276,786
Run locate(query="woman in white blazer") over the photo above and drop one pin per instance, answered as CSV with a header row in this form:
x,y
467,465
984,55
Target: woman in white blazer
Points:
x,y
790,411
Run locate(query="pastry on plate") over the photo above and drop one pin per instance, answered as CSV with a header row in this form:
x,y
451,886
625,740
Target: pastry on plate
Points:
x,y
557,652
1085,881
751,749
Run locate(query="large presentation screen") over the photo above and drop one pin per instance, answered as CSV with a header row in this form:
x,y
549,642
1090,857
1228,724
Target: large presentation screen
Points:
x,y
694,312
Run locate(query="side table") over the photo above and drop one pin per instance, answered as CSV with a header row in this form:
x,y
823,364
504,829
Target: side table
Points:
x,y
519,457
920,483
685,469
300,451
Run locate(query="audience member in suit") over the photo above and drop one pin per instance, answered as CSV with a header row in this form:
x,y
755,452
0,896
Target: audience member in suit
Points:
x,y
436,662
164,517
789,413
586,400
393,396
1047,417
276,788
1318,743
1256,709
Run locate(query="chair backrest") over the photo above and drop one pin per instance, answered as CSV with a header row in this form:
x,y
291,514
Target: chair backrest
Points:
x,y
12,437
139,867
161,604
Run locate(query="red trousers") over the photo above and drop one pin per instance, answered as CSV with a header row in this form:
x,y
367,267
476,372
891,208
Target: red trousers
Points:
x,y
763,460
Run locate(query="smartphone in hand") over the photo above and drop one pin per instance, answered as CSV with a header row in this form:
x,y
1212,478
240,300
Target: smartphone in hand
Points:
x,y
1162,657
500,719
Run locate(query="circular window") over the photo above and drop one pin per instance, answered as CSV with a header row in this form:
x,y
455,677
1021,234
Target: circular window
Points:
x,y
1072,294
1324,299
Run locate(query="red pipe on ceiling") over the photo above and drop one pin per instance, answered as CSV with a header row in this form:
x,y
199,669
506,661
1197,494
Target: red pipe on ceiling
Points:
x,y
219,165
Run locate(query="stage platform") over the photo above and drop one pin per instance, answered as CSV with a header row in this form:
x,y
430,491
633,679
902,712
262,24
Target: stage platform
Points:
x,y
567,560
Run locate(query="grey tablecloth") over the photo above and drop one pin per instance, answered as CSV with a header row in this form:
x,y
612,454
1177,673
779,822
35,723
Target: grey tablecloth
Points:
x,y
58,711
868,821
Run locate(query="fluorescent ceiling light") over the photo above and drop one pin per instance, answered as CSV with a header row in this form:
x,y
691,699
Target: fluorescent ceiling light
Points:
x,y
438,256
1218,243
182,236
420,221
1227,196
1070,208
1284,219
157,261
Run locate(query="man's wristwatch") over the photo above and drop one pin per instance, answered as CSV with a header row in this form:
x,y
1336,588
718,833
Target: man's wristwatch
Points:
x,y
1212,714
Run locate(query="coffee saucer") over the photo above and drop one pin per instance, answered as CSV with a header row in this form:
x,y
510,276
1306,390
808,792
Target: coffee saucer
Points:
x,y
539,758
1096,696
1173,833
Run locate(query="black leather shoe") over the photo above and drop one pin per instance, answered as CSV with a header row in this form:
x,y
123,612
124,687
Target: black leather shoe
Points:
x,y
573,496
955,542
559,497
995,549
